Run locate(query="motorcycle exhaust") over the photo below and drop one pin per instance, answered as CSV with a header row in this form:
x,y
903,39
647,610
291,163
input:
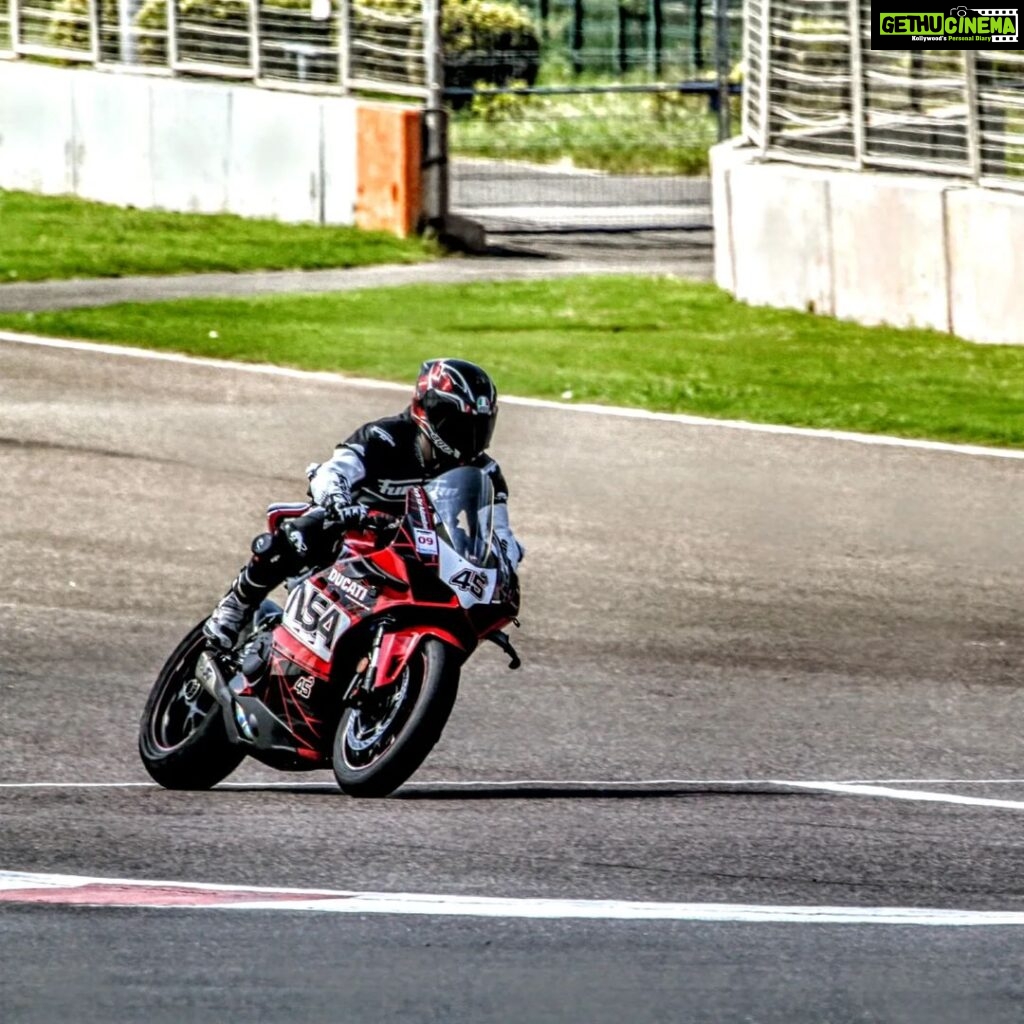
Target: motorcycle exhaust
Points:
x,y
210,678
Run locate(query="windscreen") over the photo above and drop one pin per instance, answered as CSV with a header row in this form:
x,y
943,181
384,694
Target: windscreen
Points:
x,y
464,502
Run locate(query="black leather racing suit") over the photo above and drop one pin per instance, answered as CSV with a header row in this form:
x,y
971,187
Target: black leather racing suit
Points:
x,y
373,467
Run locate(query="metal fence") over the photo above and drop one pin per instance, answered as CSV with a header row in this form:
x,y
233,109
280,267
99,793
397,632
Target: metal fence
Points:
x,y
660,39
368,43
816,92
322,45
652,104
613,136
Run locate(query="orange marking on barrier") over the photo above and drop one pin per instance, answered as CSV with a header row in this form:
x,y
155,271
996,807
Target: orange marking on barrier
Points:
x,y
388,186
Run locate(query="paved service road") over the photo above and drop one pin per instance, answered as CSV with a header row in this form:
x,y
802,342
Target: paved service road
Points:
x,y
564,213
556,196
717,609
520,264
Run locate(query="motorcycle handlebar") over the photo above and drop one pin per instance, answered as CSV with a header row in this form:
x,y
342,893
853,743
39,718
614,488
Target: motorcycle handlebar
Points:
x,y
381,522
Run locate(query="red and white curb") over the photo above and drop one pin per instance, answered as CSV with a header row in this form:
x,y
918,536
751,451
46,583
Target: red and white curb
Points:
x,y
29,888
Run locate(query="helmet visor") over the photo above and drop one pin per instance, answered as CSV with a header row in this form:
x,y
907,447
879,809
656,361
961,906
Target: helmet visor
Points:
x,y
466,433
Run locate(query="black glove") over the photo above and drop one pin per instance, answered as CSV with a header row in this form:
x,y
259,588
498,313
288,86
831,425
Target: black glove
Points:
x,y
345,514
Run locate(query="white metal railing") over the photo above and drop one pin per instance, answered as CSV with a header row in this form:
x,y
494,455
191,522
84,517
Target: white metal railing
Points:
x,y
322,45
62,29
815,91
6,44
387,44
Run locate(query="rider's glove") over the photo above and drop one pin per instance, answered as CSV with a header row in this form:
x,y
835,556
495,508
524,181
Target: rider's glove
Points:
x,y
513,552
345,514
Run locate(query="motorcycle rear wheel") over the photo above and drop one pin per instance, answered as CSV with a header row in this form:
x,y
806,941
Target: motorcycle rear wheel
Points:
x,y
379,745
183,741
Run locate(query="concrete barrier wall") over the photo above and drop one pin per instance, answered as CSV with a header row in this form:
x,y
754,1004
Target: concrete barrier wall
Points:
x,y
191,146
906,250
985,231
37,130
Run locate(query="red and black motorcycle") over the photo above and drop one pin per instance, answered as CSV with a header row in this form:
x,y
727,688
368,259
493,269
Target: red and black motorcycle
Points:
x,y
360,669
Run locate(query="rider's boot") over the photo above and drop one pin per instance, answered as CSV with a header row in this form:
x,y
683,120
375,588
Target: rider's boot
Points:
x,y
275,557
234,611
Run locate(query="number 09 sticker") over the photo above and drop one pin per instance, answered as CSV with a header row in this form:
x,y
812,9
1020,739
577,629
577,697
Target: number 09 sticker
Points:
x,y
426,542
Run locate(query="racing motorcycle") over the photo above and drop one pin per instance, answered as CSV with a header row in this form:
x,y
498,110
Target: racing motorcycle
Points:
x,y
359,670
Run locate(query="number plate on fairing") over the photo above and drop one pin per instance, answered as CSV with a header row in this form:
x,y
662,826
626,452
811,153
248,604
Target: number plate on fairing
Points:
x,y
314,619
472,585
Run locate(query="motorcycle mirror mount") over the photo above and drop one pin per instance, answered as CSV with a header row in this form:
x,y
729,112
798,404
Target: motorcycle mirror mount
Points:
x,y
503,641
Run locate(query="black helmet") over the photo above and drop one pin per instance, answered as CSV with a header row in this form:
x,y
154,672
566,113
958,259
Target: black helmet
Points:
x,y
455,404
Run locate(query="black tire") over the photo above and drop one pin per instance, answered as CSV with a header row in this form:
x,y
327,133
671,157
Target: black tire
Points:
x,y
182,738
377,747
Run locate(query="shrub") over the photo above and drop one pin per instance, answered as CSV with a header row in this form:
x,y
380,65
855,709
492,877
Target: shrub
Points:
x,y
493,107
490,42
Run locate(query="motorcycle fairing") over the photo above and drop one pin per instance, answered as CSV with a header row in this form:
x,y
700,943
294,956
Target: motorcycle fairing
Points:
x,y
471,584
398,647
314,618
454,594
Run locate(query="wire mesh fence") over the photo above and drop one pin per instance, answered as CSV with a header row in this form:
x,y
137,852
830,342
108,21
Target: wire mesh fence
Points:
x,y
652,105
655,39
816,92
641,129
621,147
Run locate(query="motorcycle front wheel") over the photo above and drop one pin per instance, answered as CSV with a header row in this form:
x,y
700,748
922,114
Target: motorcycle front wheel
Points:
x,y
183,741
379,744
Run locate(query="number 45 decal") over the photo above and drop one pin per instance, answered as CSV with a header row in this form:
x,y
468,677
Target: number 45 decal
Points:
x,y
474,583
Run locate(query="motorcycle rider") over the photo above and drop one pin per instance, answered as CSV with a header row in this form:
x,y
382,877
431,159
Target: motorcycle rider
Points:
x,y
449,423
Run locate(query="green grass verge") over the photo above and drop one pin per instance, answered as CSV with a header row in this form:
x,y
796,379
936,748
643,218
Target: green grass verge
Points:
x,y
657,343
45,237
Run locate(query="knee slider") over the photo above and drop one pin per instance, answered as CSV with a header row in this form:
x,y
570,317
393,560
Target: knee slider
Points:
x,y
270,548
276,553
264,545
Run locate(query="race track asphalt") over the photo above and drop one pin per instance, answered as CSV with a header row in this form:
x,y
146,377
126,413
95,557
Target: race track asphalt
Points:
x,y
707,612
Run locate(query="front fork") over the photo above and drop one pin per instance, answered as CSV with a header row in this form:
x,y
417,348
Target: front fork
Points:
x,y
365,678
390,651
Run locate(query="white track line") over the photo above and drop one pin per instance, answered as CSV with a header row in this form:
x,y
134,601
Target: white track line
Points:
x,y
859,789
536,403
26,887
853,789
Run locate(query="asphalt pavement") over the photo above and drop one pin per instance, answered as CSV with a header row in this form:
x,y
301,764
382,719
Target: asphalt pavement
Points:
x,y
559,212
762,671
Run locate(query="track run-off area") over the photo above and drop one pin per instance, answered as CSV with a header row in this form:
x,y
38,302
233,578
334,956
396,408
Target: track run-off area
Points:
x,y
762,761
